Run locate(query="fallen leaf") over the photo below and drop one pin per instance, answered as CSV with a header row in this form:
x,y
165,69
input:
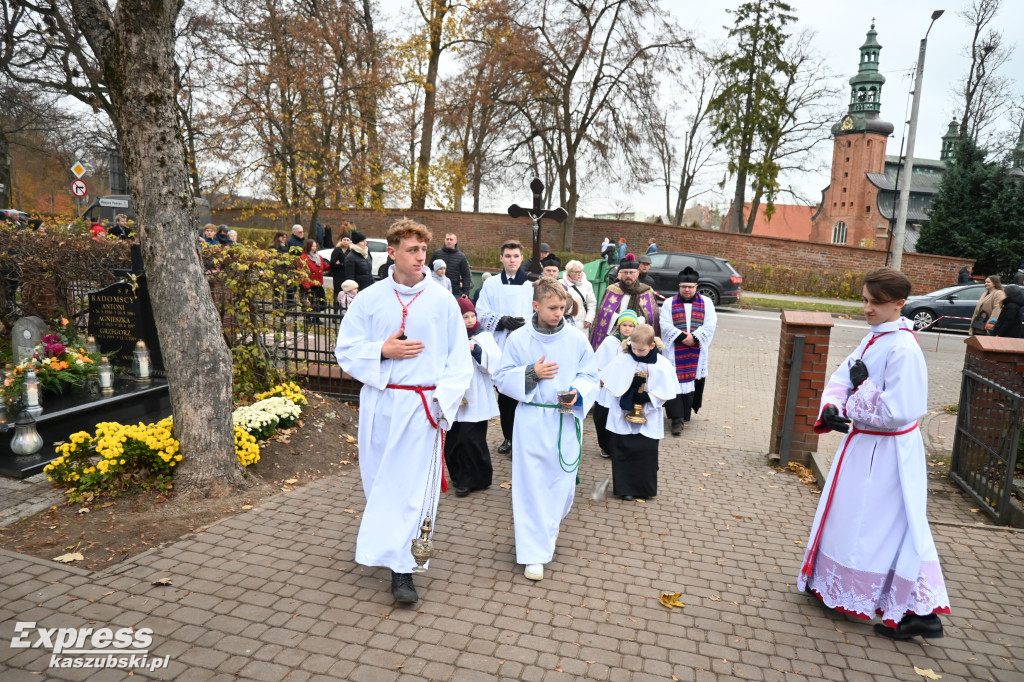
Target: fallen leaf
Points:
x,y
291,481
350,439
975,510
670,600
714,597
162,581
246,506
350,511
927,673
83,510
507,485
69,557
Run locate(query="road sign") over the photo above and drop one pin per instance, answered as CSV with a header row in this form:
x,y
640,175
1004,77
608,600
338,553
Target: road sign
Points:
x,y
79,188
78,169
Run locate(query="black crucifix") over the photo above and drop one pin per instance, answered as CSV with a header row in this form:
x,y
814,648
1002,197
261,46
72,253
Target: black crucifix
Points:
x,y
536,214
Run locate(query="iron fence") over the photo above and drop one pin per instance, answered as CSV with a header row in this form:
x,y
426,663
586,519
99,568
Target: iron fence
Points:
x,y
985,447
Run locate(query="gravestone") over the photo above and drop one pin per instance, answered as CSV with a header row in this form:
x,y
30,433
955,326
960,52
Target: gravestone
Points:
x,y
120,315
28,332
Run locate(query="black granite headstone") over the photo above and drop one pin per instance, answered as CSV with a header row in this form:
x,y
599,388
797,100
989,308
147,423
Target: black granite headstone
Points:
x,y
120,315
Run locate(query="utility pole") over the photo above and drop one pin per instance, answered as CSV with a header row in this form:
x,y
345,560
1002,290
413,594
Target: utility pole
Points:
x,y
900,233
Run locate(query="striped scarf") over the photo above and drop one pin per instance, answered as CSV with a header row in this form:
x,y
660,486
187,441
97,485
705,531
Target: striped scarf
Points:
x,y
687,357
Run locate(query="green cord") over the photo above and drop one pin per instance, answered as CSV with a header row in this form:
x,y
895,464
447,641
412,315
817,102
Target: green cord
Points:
x,y
567,467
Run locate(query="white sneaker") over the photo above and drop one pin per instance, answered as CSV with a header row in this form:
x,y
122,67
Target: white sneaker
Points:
x,y
534,572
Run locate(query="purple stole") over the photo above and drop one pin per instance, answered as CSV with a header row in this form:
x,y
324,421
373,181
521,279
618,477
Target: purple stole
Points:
x,y
609,307
687,357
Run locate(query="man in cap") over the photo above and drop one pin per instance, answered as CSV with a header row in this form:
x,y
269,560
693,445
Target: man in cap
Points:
x,y
546,258
644,264
626,294
688,322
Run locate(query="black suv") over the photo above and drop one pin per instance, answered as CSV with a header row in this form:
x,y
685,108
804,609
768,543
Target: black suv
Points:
x,y
719,281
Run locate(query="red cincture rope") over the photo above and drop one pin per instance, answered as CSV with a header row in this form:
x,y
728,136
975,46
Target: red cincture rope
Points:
x,y
405,306
812,553
430,418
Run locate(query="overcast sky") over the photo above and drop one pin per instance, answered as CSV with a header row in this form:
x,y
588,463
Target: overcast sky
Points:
x,y
841,29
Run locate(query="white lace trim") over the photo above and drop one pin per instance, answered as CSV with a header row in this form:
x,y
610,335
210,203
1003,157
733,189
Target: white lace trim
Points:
x,y
868,594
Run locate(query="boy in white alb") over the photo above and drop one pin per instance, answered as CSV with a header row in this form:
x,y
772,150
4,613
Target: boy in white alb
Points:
x,y
405,340
871,550
540,361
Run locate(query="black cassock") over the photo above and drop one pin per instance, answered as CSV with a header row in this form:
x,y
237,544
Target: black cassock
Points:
x,y
634,465
467,455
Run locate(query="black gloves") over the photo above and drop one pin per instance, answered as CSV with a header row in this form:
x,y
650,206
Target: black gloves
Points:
x,y
641,398
830,416
858,373
638,381
510,323
477,352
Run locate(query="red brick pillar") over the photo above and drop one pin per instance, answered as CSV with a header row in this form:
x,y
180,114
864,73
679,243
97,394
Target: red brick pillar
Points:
x,y
997,358
816,328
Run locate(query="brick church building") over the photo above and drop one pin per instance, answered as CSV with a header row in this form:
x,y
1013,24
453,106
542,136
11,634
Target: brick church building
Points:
x,y
857,206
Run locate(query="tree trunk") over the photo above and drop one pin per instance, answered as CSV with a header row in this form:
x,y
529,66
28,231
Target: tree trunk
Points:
x,y
135,48
422,186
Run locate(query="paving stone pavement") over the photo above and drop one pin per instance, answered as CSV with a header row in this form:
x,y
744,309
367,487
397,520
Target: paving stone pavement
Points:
x,y
274,594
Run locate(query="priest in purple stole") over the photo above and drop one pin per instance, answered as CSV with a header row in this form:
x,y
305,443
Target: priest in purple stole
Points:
x,y
688,323
626,294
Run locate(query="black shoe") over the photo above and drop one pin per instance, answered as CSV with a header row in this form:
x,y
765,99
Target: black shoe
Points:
x,y
606,454
929,627
677,427
505,448
461,492
402,588
627,498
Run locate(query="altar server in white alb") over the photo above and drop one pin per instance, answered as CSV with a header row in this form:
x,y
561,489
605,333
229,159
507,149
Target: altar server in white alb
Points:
x,y
539,361
688,323
405,340
610,347
638,377
871,550
504,305
465,448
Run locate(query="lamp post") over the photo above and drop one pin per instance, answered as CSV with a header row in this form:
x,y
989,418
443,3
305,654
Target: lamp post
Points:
x,y
900,233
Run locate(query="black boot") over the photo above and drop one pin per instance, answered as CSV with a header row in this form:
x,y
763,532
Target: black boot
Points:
x,y
402,588
911,625
677,427
505,448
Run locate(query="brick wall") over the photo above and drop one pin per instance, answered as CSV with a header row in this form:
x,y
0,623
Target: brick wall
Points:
x,y
490,230
817,329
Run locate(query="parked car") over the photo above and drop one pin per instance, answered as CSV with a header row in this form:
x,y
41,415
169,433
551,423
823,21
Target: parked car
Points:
x,y
942,307
378,256
719,281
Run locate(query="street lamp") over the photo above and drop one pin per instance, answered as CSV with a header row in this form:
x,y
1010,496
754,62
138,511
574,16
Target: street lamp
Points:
x,y
900,233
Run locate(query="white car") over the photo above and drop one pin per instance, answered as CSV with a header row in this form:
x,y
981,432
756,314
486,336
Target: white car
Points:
x,y
378,257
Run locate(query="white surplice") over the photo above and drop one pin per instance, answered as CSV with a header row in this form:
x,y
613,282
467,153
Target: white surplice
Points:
x,y
542,489
497,300
876,555
396,440
609,349
703,334
481,404
661,386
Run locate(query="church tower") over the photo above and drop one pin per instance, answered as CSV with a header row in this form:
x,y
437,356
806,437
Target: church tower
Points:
x,y
848,212
949,141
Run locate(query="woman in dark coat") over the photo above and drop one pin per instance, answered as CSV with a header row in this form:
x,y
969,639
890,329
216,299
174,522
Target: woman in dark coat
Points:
x,y
1009,323
358,266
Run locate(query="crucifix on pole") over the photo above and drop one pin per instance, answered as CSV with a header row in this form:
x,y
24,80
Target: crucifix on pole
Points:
x,y
536,214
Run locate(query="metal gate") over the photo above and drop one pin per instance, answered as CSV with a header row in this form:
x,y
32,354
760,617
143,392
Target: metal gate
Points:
x,y
985,447
305,348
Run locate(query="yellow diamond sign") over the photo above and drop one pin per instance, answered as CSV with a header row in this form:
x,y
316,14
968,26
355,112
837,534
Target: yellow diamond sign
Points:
x,y
78,169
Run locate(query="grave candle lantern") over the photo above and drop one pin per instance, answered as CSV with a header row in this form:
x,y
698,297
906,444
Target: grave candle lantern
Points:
x,y
33,396
141,363
27,440
90,345
106,375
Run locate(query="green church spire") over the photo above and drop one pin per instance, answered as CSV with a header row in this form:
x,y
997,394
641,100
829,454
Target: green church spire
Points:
x,y
865,93
949,141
